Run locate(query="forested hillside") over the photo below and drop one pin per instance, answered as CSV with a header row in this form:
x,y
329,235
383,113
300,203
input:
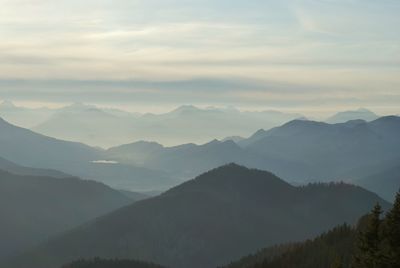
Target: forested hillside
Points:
x,y
213,219
374,242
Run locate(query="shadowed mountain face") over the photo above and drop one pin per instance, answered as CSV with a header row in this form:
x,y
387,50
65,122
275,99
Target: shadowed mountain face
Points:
x,y
34,208
28,148
219,216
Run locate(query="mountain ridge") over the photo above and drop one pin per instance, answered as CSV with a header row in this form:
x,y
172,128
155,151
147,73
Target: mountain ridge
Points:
x,y
35,208
217,217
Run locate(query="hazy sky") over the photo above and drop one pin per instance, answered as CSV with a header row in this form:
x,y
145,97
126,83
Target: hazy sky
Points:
x,y
301,55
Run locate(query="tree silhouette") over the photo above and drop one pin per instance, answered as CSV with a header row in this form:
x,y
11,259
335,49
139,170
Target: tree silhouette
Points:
x,y
391,232
368,251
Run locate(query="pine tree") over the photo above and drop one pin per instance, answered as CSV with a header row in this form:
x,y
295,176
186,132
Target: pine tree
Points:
x,y
368,251
391,232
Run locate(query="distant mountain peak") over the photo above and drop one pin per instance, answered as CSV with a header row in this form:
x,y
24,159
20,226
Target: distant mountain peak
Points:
x,y
235,139
213,142
301,123
186,108
361,113
361,109
259,133
237,178
303,118
79,106
143,142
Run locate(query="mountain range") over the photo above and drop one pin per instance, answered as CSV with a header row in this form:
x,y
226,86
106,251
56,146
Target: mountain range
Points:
x,y
106,127
219,216
299,151
332,151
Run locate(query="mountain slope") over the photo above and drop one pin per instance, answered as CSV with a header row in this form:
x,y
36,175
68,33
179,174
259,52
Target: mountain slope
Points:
x,y
217,217
361,245
21,170
385,183
28,148
34,208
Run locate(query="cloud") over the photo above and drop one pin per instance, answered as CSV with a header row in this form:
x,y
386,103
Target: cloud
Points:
x,y
204,50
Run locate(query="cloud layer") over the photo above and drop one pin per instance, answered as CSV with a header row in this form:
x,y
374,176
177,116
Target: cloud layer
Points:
x,y
286,53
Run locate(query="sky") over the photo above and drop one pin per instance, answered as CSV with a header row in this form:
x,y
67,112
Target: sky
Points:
x,y
306,56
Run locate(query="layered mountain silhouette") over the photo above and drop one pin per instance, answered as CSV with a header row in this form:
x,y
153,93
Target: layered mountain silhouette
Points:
x,y
36,207
220,216
186,124
300,151
27,148
190,160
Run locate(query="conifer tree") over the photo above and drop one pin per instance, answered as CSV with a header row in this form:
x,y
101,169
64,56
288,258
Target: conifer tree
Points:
x,y
391,232
368,251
